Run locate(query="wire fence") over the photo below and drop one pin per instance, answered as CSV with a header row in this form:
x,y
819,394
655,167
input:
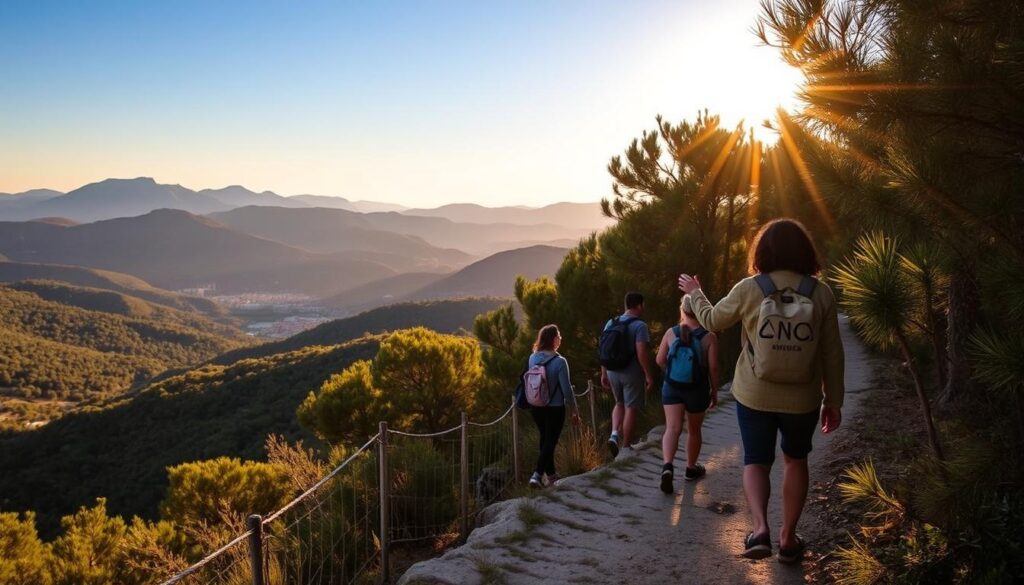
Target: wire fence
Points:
x,y
397,488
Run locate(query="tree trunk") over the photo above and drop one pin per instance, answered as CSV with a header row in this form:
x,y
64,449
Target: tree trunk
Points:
x,y
926,409
962,319
938,341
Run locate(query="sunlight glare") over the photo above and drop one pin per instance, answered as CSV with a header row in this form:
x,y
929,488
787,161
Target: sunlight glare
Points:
x,y
721,67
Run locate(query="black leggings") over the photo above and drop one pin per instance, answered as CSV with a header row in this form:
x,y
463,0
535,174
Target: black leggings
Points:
x,y
550,420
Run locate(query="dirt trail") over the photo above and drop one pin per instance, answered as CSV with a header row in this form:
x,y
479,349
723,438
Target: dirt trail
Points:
x,y
614,526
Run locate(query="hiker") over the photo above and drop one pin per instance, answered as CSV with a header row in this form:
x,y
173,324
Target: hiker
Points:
x,y
549,393
626,369
789,374
688,354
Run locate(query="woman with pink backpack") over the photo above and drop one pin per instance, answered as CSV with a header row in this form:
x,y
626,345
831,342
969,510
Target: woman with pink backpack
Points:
x,y
548,393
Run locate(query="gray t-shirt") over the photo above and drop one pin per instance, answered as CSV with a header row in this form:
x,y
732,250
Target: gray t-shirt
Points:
x,y
639,333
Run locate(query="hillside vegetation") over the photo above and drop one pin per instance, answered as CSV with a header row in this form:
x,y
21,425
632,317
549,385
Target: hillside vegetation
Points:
x,y
121,450
106,301
112,281
54,352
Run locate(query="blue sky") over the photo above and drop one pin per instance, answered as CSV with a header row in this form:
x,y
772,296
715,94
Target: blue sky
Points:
x,y
420,103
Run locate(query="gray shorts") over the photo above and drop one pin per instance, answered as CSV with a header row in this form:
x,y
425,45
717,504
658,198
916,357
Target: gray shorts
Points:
x,y
628,388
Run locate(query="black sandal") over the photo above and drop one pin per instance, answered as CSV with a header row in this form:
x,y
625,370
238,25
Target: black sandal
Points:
x,y
793,555
757,547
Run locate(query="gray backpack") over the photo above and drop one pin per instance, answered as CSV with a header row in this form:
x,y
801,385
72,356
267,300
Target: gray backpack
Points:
x,y
785,344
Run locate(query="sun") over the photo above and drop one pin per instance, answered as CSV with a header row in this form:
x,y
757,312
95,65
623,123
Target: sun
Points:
x,y
726,72
752,89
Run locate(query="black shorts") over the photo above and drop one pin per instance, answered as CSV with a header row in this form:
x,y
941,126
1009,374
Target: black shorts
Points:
x,y
760,429
694,397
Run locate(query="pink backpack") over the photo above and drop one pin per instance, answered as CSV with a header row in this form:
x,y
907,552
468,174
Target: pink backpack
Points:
x,y
538,393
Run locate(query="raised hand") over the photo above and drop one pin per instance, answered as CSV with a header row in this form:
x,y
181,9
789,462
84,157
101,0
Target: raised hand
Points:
x,y
688,283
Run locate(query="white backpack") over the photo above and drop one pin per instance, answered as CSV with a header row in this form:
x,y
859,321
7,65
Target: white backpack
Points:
x,y
785,343
536,382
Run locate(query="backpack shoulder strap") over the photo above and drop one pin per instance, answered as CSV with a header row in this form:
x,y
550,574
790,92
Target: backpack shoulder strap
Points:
x,y
697,335
677,331
764,281
807,286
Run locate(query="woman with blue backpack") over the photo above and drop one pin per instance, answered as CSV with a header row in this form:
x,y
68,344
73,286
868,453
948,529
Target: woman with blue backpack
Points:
x,y
688,354
548,393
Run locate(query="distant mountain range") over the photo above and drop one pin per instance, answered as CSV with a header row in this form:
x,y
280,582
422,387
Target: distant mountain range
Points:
x,y
327,231
175,250
113,198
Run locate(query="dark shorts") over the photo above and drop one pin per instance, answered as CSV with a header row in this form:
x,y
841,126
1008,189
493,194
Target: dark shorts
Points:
x,y
759,428
694,398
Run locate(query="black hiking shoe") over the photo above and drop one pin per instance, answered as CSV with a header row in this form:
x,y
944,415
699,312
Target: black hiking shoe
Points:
x,y
667,475
757,547
613,446
794,554
694,473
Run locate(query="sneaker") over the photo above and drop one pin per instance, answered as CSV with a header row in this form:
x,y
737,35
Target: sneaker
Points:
x,y
535,481
757,547
667,475
695,472
613,445
550,480
792,555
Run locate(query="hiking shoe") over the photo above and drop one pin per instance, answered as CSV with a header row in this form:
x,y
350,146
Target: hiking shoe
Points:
x,y
613,445
550,480
695,472
757,547
794,554
535,481
667,475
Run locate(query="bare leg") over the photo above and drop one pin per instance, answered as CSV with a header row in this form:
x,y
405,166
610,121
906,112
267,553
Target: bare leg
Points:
x,y
673,428
758,488
794,494
694,438
617,414
628,424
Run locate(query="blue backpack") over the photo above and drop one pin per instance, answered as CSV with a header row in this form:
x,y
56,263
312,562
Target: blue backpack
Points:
x,y
685,361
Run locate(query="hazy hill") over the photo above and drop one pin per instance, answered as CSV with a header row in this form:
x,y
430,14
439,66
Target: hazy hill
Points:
x,y
112,198
175,249
122,198
587,216
239,196
342,203
445,316
335,230
476,238
382,292
15,201
111,281
495,275
121,451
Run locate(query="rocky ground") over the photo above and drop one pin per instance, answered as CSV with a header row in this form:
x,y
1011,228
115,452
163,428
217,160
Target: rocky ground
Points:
x,y
613,525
